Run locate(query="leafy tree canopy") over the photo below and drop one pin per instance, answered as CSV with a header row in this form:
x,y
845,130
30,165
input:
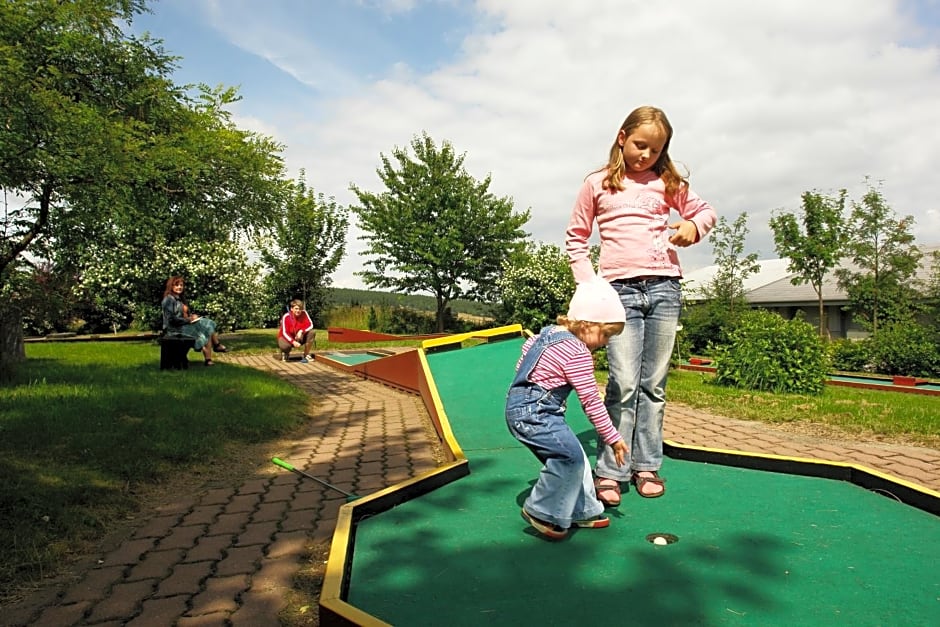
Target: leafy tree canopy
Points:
x,y
881,285
435,228
100,144
307,243
816,249
536,285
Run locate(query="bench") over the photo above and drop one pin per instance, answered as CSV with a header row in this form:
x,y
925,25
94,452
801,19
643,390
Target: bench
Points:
x,y
174,351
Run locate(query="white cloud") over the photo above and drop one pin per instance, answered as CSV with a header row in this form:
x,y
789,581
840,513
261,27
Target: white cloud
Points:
x,y
278,39
767,101
253,123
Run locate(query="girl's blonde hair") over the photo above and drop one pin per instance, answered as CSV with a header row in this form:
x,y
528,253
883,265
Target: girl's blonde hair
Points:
x,y
576,327
664,167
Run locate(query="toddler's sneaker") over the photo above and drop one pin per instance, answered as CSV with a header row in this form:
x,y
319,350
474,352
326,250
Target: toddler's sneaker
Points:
x,y
305,359
547,529
598,522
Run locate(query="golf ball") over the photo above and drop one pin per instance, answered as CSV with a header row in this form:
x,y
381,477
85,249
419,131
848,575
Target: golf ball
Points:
x,y
660,541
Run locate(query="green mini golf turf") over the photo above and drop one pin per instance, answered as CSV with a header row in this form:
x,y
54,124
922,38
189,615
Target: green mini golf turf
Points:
x,y
754,547
353,359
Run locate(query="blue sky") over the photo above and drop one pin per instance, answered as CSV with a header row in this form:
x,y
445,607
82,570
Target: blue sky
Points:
x,y
768,100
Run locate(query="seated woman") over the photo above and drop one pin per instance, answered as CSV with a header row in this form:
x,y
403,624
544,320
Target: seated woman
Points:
x,y
296,330
178,319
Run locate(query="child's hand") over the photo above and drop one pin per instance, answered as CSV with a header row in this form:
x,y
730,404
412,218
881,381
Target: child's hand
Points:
x,y
686,233
620,452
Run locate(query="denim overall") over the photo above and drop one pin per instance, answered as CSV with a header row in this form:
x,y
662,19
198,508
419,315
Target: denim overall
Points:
x,y
564,490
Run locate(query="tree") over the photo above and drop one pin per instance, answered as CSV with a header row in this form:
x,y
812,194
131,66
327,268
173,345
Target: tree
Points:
x,y
727,241
881,246
535,286
435,228
815,250
221,282
709,323
307,243
99,146
71,88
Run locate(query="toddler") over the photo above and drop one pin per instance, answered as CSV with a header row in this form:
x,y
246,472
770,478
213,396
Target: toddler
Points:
x,y
553,363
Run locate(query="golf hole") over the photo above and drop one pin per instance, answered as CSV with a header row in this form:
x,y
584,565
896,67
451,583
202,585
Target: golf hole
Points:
x,y
662,539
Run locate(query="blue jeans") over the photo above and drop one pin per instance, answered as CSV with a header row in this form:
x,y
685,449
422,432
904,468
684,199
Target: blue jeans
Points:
x,y
564,491
639,363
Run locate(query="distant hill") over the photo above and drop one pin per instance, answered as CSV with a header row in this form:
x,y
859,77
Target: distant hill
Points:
x,y
346,296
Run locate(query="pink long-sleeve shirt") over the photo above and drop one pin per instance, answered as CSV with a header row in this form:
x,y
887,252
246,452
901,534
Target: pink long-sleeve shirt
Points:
x,y
570,362
632,225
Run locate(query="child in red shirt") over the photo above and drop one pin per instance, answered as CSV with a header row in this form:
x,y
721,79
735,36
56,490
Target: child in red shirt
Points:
x,y
296,330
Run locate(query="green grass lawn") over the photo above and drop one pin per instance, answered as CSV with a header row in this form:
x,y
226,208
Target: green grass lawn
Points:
x,y
86,427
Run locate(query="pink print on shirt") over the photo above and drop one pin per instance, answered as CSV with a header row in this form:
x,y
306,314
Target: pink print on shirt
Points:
x,y
655,213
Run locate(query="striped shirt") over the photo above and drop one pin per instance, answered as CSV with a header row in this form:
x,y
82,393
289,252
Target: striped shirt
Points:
x,y
569,361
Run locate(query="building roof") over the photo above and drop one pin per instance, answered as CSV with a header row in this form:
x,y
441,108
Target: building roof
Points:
x,y
772,284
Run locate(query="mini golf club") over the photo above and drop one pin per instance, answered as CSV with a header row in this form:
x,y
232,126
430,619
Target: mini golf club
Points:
x,y
280,462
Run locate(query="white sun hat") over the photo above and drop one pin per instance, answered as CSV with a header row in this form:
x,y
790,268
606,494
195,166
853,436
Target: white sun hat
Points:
x,y
596,301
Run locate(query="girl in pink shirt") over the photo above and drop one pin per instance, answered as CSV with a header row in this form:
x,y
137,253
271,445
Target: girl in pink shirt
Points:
x,y
631,199
553,363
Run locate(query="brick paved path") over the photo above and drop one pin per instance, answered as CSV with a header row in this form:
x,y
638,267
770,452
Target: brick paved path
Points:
x,y
226,556
688,426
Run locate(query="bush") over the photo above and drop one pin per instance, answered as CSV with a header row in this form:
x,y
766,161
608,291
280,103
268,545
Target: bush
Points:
x,y
43,298
904,349
704,326
767,353
851,355
535,286
354,317
406,321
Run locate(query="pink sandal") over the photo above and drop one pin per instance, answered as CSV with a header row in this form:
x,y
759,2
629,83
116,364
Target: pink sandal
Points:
x,y
608,491
639,482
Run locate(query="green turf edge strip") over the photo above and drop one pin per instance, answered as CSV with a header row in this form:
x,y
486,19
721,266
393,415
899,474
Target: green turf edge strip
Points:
x,y
334,363
862,476
885,388
334,610
435,407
